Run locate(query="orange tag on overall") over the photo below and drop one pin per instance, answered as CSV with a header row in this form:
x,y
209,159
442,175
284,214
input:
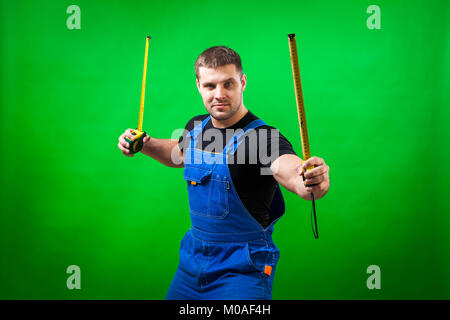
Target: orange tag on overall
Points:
x,y
267,270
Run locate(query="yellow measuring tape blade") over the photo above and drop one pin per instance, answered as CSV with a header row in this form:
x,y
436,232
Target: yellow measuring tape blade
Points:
x,y
141,109
299,97
302,120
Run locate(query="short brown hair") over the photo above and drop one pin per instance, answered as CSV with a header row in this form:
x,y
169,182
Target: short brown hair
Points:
x,y
218,56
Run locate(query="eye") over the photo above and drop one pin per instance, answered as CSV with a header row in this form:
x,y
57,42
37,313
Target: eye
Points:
x,y
210,86
228,84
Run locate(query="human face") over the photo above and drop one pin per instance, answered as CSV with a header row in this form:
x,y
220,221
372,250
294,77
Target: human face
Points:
x,y
221,90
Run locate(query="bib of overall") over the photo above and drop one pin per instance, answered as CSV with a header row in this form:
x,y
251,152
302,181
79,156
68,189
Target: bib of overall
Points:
x,y
227,253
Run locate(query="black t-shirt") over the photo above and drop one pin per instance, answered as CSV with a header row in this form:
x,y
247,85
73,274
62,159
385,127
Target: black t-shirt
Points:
x,y
249,171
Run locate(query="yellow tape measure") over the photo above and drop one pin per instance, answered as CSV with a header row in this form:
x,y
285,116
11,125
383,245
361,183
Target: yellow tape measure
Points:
x,y
299,98
301,117
141,107
138,142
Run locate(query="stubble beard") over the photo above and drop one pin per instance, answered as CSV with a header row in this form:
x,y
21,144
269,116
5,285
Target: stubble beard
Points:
x,y
228,115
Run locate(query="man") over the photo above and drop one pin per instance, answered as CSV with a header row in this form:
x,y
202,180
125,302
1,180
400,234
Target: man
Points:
x,y
228,253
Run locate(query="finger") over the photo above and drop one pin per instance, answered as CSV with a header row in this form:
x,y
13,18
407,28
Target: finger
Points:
x,y
123,142
123,149
146,138
313,188
127,153
128,134
315,180
317,171
314,161
317,188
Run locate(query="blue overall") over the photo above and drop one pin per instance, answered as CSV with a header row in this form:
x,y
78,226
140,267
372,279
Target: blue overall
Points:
x,y
227,253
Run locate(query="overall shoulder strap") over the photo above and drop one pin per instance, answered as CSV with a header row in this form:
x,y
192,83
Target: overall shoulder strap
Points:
x,y
236,140
194,133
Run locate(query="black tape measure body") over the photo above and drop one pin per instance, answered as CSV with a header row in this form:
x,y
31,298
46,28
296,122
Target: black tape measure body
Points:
x,y
137,143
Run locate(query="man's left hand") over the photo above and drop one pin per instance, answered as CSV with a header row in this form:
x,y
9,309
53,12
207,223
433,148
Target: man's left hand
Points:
x,y
317,179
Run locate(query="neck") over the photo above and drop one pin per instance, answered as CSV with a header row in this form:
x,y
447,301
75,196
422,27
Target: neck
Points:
x,y
242,111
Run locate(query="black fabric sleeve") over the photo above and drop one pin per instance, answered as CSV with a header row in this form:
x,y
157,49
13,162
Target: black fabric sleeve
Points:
x,y
275,149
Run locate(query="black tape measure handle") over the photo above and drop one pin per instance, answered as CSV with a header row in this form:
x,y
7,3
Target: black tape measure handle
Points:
x,y
136,145
314,228
314,218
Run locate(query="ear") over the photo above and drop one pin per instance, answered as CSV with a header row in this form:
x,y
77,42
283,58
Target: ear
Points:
x,y
244,81
198,85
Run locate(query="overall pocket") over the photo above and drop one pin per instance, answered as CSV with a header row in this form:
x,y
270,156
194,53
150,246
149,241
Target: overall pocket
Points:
x,y
260,254
208,193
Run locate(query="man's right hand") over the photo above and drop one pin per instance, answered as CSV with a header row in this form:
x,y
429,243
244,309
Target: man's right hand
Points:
x,y
124,145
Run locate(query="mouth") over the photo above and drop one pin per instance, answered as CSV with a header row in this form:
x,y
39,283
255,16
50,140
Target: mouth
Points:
x,y
220,104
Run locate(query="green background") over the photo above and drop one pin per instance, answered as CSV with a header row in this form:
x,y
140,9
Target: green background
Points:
x,y
377,110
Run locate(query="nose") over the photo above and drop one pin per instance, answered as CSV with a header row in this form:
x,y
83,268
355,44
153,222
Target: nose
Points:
x,y
220,93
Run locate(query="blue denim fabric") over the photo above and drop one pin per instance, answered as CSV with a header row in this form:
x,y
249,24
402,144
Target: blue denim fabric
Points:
x,y
224,254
